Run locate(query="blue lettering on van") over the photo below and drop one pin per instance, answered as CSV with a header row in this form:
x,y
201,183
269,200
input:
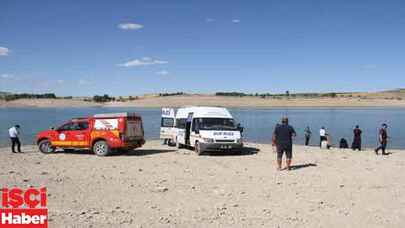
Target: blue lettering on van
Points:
x,y
218,133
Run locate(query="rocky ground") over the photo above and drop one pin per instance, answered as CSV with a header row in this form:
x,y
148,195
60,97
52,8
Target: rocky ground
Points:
x,y
158,186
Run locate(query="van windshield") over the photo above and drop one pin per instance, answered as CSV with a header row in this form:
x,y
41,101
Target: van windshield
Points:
x,y
215,124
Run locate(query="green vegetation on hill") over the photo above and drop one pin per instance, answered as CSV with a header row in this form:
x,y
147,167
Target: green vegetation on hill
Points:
x,y
102,99
277,95
10,96
171,94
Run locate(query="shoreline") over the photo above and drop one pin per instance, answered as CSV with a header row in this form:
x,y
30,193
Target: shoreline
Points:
x,y
207,100
4,147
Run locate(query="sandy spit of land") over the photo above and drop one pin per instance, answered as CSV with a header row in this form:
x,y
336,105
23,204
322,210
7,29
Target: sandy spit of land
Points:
x,y
210,100
158,186
47,103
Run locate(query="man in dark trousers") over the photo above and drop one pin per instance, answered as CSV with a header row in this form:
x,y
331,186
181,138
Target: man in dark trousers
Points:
x,y
14,133
383,139
307,133
282,137
356,145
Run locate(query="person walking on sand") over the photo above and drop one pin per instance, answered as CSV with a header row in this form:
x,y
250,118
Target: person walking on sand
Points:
x,y
356,145
14,137
382,139
307,134
322,134
282,137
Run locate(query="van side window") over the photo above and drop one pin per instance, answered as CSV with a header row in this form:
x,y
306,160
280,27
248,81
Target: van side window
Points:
x,y
196,125
181,123
167,122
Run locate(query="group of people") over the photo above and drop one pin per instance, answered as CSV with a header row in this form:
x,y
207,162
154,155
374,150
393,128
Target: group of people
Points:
x,y
284,133
325,140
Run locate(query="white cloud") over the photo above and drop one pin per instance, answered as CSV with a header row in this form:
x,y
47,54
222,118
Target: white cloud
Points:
x,y
162,72
4,51
145,61
130,26
235,21
369,66
209,20
6,76
83,82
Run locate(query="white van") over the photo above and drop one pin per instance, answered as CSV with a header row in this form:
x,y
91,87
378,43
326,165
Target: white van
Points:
x,y
204,129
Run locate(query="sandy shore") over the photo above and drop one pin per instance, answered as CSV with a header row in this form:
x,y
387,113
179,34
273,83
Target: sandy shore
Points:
x,y
47,103
207,100
157,186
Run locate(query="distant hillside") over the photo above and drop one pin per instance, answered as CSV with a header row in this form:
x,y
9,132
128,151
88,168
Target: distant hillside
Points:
x,y
4,94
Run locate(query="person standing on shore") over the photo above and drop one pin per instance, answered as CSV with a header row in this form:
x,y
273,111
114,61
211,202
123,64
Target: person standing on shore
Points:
x,y
282,137
14,137
382,139
356,145
307,133
322,134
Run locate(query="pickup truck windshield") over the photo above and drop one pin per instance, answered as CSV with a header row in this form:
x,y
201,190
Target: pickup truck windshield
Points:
x,y
215,124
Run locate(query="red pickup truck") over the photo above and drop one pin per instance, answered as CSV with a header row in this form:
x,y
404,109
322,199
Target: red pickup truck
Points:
x,y
101,133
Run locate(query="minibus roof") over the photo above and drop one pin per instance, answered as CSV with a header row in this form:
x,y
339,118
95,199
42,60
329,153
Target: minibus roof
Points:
x,y
203,112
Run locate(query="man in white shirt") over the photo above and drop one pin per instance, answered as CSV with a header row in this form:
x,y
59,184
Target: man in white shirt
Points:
x,y
14,133
322,133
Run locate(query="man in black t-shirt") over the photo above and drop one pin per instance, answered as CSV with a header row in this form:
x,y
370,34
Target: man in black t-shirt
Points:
x,y
282,137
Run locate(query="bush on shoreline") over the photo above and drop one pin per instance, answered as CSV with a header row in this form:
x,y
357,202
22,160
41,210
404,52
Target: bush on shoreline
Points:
x,y
102,99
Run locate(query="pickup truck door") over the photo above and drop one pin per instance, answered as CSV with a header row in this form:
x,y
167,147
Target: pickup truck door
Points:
x,y
73,134
63,138
79,135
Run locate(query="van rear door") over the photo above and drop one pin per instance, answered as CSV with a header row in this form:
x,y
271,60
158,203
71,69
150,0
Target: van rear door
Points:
x,y
167,124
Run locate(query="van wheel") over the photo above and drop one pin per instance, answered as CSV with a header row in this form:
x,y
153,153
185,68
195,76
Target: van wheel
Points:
x,y
197,148
171,143
178,145
46,147
101,148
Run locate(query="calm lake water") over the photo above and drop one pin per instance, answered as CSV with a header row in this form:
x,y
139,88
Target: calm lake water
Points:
x,y
258,123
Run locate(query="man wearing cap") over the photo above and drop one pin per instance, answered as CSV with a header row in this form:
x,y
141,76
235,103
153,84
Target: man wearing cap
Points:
x,y
282,137
14,133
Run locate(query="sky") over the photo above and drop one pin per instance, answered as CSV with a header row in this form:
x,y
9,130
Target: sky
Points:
x,y
82,48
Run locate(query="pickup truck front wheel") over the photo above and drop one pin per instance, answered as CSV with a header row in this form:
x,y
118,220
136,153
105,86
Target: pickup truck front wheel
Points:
x,y
46,147
101,148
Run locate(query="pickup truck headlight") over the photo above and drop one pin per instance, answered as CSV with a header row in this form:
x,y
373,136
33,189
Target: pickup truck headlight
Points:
x,y
208,140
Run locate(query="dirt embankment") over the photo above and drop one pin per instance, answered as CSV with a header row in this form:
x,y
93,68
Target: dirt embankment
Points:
x,y
209,100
